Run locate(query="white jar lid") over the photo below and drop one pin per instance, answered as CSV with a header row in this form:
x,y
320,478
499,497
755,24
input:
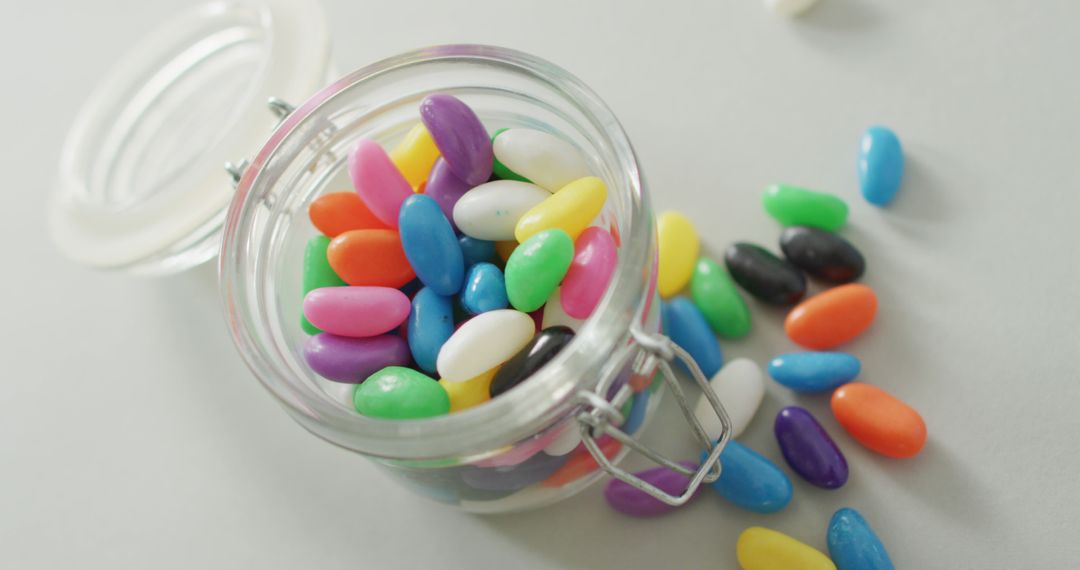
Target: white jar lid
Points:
x,y
142,182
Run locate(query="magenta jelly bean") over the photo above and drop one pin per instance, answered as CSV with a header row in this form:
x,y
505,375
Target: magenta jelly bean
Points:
x,y
378,181
352,360
590,272
631,501
461,137
356,311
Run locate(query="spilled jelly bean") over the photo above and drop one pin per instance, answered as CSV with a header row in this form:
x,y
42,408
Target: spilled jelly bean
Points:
x,y
498,169
545,159
750,481
822,254
881,165
461,138
715,295
356,311
686,327
378,181
853,545
814,371
317,273
571,209
679,246
878,420
833,317
809,450
446,188
761,548
338,212
491,211
590,272
536,468
484,342
431,322
470,393
415,155
399,393
794,206
352,360
536,268
484,290
764,275
637,503
531,358
430,245
370,257
475,251
740,388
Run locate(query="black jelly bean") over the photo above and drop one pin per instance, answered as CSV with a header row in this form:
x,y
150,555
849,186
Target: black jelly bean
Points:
x,y
764,275
542,348
822,254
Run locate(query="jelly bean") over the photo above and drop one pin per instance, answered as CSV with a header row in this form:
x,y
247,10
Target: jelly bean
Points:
x,y
794,206
370,257
415,155
590,272
679,246
581,463
356,311
317,273
482,343
715,295
629,500
635,418
461,138
430,245
881,165
822,254
853,545
431,322
547,160
533,470
470,393
763,275
505,248
399,393
490,211
833,317
814,371
531,358
686,326
446,189
474,250
571,209
338,212
536,268
566,440
878,420
761,548
790,8
498,169
555,315
519,452
484,290
352,360
740,388
378,181
809,450
750,481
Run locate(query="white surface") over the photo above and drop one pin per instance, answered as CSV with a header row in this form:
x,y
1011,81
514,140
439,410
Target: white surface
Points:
x,y
131,436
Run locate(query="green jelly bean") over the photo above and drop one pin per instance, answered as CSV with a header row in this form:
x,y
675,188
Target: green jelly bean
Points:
x,y
536,268
794,206
714,293
500,170
317,273
399,393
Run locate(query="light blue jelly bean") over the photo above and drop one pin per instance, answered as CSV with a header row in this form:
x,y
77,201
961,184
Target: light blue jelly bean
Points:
x,y
636,417
484,290
476,250
687,327
750,481
431,245
431,322
881,165
853,544
814,371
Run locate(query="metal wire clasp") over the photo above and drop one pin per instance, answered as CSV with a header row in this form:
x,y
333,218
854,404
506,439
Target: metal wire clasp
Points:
x,y
646,352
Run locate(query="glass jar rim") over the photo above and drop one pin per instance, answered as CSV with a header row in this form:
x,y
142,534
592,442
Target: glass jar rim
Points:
x,y
513,415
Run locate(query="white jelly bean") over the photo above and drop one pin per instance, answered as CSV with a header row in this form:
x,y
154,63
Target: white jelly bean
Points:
x,y
567,440
740,386
482,343
490,211
547,160
554,314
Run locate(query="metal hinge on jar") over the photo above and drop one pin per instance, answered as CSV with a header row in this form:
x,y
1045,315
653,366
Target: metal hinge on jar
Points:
x,y
647,352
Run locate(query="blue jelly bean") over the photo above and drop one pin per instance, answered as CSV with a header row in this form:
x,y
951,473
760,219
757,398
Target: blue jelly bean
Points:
x,y
881,165
636,417
431,322
687,327
853,544
750,481
814,371
484,289
476,250
430,245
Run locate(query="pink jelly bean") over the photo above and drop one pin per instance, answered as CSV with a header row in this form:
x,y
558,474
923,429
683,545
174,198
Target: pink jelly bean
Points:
x,y
356,311
522,451
590,272
378,181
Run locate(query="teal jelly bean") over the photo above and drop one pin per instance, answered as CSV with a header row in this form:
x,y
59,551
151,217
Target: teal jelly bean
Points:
x,y
814,371
853,545
750,481
881,165
484,289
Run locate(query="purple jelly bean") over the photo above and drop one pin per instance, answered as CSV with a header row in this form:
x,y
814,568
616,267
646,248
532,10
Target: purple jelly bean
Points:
x,y
352,360
808,448
446,188
461,137
532,470
627,500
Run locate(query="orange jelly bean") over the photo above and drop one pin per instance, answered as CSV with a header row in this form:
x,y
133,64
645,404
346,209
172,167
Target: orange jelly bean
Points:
x,y
370,257
580,464
878,420
832,318
338,212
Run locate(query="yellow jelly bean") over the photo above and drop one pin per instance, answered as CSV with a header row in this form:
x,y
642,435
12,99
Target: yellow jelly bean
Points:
x,y
505,248
765,549
471,392
415,155
679,247
571,209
